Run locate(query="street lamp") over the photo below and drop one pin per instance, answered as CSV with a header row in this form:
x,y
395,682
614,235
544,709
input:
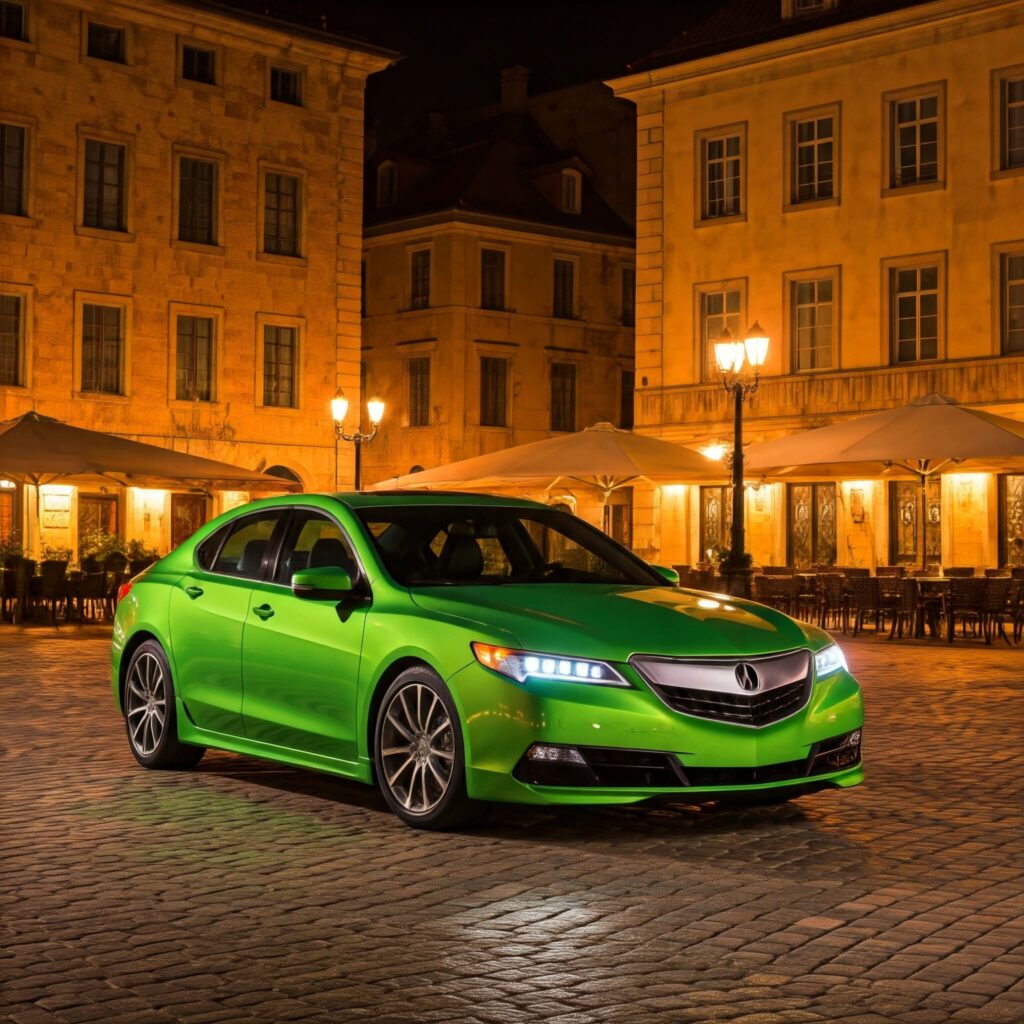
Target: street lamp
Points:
x,y
339,410
731,355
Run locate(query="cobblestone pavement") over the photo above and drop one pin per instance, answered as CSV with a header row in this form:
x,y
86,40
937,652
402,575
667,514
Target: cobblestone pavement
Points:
x,y
248,892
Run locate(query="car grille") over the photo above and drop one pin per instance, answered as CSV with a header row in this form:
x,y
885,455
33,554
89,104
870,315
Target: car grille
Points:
x,y
757,710
746,776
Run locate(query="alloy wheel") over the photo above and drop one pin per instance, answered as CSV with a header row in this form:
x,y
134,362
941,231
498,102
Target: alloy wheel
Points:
x,y
417,748
146,704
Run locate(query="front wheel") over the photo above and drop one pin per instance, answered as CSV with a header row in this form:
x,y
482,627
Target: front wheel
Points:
x,y
149,712
418,753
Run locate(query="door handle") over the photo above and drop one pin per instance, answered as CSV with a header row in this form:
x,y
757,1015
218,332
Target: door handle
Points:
x,y
264,611
194,592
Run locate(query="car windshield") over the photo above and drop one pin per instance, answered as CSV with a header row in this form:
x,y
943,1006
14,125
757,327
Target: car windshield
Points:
x,y
432,545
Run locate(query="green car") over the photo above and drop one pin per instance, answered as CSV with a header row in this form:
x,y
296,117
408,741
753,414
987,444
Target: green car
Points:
x,y
460,649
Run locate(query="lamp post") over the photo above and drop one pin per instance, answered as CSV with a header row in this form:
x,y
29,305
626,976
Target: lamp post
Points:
x,y
339,410
731,355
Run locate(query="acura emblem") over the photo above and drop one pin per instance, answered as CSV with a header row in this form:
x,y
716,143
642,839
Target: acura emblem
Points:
x,y
746,677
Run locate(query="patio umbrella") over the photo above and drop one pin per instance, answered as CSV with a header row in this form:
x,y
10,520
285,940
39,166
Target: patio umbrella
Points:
x,y
933,434
37,450
601,456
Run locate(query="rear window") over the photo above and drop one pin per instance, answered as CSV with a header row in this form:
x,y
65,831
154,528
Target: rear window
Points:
x,y
247,546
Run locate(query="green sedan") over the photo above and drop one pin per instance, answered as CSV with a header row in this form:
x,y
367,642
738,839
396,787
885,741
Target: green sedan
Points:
x,y
462,649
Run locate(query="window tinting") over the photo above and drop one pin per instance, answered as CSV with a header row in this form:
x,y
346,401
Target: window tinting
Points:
x,y
11,320
286,86
314,541
102,348
281,214
194,358
12,169
12,20
493,389
492,279
197,201
248,545
279,356
199,65
105,42
419,391
104,185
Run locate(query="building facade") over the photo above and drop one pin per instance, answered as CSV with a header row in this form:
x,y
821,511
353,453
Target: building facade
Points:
x,y
849,173
498,288
180,243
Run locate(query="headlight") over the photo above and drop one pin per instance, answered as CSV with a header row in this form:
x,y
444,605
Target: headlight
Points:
x,y
523,665
830,659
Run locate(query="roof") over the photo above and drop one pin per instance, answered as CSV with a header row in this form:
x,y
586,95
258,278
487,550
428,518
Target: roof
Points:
x,y
380,499
488,168
735,24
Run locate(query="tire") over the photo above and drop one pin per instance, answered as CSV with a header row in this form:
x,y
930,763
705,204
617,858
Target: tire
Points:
x,y
148,694
419,755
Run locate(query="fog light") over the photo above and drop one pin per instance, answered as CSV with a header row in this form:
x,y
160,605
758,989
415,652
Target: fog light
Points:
x,y
551,754
837,753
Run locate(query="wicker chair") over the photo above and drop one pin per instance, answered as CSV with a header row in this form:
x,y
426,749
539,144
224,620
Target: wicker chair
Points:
x,y
833,601
853,573
908,608
997,593
965,601
958,571
92,593
53,586
866,602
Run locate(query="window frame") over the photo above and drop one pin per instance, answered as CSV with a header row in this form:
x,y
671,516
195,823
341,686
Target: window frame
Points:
x,y
283,517
88,17
25,294
790,280
889,101
790,120
506,403
125,304
703,371
564,364
85,135
299,173
290,68
890,266
413,357
1001,252
700,140
218,63
25,39
506,253
414,252
28,126
576,206
264,320
180,153
999,79
214,313
574,306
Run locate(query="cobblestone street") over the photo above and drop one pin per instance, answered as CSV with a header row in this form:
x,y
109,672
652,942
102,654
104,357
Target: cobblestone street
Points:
x,y
246,892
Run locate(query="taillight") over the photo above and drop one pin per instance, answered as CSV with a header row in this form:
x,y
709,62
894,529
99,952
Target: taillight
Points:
x,y
124,589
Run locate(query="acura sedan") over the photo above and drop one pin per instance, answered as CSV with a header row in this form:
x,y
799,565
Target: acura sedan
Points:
x,y
458,650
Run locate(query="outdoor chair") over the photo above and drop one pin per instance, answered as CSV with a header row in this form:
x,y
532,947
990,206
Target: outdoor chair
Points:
x,y
777,570
958,571
804,600
833,601
23,573
781,591
1017,572
92,592
53,586
762,589
89,563
866,602
852,573
908,608
1015,608
996,573
997,591
8,593
891,570
964,601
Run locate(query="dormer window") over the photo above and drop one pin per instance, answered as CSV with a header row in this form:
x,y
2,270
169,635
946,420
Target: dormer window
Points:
x,y
569,192
387,184
799,8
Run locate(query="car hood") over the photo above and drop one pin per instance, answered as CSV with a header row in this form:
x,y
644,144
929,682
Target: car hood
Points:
x,y
612,622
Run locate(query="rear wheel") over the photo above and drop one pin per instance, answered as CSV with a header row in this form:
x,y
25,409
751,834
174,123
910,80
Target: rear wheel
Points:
x,y
418,752
149,712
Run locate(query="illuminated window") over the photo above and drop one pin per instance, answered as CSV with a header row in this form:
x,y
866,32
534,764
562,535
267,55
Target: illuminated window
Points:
x,y
493,391
13,161
105,191
281,197
563,396
102,348
286,86
105,42
199,65
280,351
197,201
1012,288
419,391
719,307
419,271
194,359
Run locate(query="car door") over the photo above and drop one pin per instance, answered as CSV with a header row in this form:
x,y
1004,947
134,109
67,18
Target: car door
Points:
x,y
208,609
300,656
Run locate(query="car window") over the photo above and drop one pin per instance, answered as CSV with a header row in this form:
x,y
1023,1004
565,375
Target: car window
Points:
x,y
246,549
207,551
314,541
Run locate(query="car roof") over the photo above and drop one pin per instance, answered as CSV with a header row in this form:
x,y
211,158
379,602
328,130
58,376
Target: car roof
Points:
x,y
382,499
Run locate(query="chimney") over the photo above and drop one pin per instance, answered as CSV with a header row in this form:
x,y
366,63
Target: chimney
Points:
x,y
514,89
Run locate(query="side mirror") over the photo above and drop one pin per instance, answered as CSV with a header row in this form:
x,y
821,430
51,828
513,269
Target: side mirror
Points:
x,y
670,576
328,583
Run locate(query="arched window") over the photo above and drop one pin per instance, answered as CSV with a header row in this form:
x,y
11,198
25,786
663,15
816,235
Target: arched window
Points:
x,y
387,184
284,473
570,191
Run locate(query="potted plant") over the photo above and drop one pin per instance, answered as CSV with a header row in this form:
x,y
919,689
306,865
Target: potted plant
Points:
x,y
10,549
140,556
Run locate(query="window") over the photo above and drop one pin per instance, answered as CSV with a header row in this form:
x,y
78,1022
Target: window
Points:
x,y
563,396
286,86
618,518
715,521
812,320
387,184
314,541
627,389
914,312
905,518
12,169
914,143
721,175
419,391
97,514
102,348
1011,123
564,287
419,268
1011,519
569,192
197,201
281,214
199,65
492,279
1012,291
12,328
104,205
245,551
812,158
493,389
628,297
280,349
105,42
12,20
811,535
194,359
719,308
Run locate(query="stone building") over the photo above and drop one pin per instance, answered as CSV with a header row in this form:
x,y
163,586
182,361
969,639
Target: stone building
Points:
x,y
180,241
850,173
498,279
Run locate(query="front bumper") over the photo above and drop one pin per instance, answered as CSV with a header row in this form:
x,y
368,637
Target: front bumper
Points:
x,y
697,757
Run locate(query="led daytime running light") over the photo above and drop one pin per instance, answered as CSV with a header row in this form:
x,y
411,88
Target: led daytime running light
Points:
x,y
523,665
829,660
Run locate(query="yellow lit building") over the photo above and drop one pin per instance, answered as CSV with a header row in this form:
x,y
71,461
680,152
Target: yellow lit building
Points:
x,y
498,284
850,173
180,242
